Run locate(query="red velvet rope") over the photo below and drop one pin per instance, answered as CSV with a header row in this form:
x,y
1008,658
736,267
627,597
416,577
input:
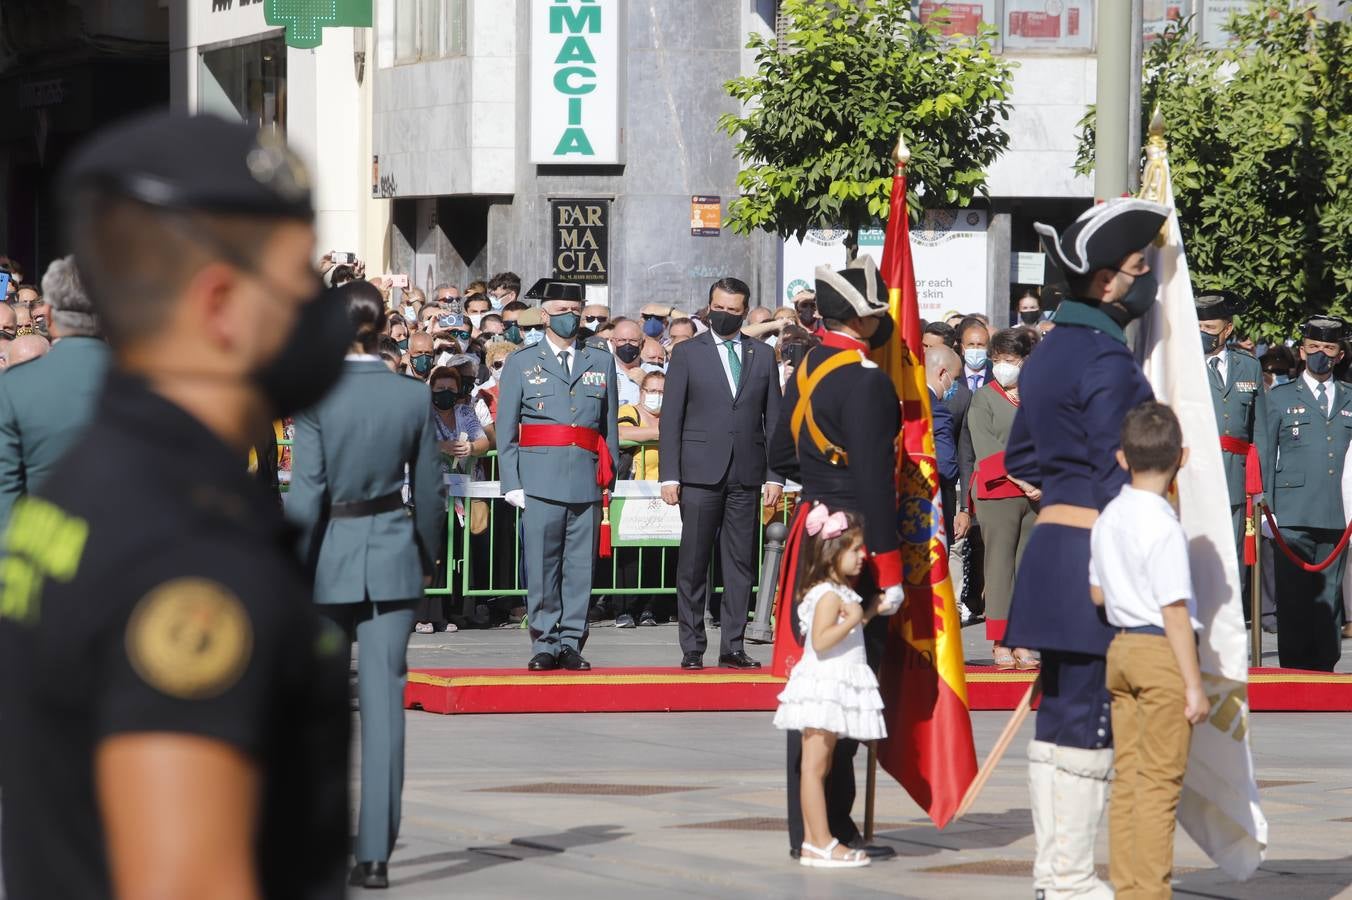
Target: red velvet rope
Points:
x,y
1296,560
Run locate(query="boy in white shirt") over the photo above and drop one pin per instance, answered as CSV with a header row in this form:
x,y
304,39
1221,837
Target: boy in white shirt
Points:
x,y
1138,571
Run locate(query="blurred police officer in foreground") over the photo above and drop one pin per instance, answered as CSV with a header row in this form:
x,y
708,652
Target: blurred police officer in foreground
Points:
x,y
1237,393
175,711
372,557
1309,427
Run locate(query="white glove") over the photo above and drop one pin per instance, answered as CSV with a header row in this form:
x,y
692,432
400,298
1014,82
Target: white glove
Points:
x,y
516,498
891,601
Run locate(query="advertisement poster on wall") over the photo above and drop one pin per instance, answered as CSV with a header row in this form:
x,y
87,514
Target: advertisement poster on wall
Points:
x,y
948,247
1049,25
1158,15
958,18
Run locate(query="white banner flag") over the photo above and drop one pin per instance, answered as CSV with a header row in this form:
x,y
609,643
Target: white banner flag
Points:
x,y
1219,807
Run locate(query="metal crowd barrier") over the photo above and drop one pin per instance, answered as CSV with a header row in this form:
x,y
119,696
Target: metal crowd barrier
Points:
x,y
488,565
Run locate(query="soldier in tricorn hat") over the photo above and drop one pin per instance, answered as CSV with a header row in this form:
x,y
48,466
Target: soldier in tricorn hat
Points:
x,y
1075,392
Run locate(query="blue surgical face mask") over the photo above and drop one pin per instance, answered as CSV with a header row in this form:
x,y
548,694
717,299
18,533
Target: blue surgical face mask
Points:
x,y
651,367
975,357
653,327
531,338
1280,379
496,302
952,389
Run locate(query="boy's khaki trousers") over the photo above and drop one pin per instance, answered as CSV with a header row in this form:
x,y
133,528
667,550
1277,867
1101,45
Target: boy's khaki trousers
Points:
x,y
1151,736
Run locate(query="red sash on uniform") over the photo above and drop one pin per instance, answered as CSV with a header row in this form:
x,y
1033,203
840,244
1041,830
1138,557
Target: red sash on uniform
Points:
x,y
1253,484
590,440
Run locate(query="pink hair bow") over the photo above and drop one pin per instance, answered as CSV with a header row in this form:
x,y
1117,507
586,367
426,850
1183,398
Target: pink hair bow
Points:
x,y
830,524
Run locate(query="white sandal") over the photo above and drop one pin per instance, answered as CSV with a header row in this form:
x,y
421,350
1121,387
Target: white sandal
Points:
x,y
823,857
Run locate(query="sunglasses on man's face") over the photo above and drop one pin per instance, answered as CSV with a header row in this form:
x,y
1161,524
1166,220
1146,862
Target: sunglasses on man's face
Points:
x,y
807,307
460,335
531,327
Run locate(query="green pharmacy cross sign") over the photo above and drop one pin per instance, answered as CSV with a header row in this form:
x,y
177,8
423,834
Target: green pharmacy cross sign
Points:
x,y
305,20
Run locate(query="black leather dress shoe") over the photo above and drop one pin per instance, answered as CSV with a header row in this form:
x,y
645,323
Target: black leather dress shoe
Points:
x,y
738,660
571,660
370,875
872,851
692,661
542,662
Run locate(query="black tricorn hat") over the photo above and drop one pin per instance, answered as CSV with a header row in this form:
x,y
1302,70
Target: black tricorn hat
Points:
x,y
856,290
1218,305
564,290
1103,235
1324,328
537,290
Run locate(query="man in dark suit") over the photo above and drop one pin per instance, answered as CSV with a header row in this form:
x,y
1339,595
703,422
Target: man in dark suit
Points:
x,y
722,400
941,371
973,337
46,403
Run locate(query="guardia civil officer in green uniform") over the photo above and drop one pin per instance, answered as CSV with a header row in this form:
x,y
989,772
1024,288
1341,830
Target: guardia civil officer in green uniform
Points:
x,y
372,557
1236,380
557,442
46,403
1309,427
174,708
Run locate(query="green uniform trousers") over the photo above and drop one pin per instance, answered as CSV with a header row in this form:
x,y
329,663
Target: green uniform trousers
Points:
x,y
558,542
1309,604
381,631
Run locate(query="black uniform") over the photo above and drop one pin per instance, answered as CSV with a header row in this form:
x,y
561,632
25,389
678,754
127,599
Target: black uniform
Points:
x,y
857,409
149,586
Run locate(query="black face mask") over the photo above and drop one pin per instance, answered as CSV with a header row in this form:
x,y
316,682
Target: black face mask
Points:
x,y
626,353
1136,302
444,400
1209,343
311,358
725,324
1319,363
1030,316
882,334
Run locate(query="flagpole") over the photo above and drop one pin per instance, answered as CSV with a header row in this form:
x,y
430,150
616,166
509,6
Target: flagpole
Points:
x,y
901,155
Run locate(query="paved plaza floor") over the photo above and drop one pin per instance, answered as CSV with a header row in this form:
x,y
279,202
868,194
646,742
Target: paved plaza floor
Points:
x,y
692,805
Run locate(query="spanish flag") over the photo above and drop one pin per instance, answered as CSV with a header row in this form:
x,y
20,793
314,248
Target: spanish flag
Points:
x,y
929,748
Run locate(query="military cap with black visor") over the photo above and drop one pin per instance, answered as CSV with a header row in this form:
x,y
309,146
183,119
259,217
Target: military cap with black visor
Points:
x,y
200,722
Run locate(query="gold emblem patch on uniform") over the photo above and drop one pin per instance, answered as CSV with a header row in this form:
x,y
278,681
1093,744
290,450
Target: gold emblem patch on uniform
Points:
x,y
190,638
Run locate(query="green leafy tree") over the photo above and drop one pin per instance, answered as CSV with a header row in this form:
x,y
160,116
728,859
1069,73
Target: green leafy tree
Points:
x,y
1260,147
822,114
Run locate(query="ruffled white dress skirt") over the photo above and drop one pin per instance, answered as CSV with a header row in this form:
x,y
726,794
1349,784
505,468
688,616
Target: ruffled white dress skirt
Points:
x,y
835,691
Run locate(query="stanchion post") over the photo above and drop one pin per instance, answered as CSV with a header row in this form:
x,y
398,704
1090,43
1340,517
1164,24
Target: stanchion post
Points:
x,y
1256,591
761,631
870,791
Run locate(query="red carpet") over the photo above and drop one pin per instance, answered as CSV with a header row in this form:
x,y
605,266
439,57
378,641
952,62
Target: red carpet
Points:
x,y
717,690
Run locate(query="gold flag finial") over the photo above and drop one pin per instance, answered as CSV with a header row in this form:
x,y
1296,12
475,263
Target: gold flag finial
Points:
x,y
901,154
1157,123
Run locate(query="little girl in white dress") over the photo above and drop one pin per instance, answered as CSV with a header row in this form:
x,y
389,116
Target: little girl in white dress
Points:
x,y
832,693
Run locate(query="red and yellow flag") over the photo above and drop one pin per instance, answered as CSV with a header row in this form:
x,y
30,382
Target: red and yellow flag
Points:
x,y
929,748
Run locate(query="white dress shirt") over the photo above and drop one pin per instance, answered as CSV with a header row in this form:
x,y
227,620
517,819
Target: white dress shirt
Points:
x,y
1139,557
1330,391
719,345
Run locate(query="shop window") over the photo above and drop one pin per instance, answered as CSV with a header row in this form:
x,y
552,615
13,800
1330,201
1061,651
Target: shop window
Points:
x,y
245,82
428,29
